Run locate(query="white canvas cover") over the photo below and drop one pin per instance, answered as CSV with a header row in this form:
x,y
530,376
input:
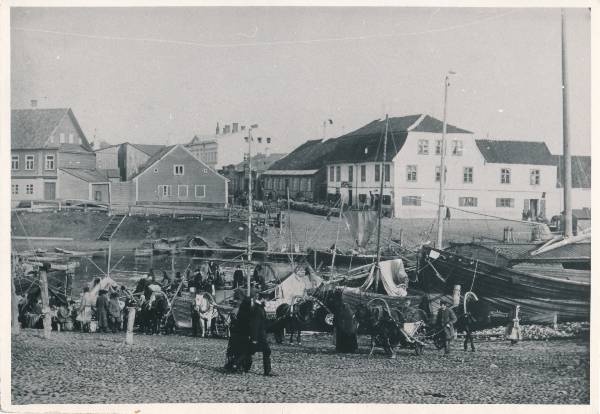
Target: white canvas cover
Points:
x,y
392,277
294,285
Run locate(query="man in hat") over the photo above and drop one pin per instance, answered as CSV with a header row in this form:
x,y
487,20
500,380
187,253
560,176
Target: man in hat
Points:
x,y
446,320
102,304
238,277
258,333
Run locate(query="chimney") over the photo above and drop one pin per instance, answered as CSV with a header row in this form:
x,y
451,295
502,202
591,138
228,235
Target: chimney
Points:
x,y
217,131
234,128
34,103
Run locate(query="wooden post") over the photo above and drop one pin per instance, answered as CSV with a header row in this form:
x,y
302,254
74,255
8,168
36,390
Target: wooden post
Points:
x,y
456,295
45,303
16,327
130,322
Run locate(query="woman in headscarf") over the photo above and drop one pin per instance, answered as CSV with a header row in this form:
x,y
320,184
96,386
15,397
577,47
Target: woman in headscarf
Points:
x,y
85,310
239,347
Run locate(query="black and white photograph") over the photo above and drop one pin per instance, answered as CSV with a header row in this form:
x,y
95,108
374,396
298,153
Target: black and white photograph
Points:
x,y
297,204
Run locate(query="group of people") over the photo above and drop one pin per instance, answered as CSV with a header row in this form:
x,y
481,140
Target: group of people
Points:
x,y
248,336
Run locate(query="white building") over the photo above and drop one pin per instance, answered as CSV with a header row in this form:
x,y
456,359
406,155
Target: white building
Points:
x,y
229,145
483,177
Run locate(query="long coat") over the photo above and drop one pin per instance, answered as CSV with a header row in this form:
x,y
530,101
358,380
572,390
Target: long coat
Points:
x,y
102,309
446,319
258,318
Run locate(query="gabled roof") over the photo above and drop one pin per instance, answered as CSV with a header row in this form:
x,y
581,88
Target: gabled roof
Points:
x,y
416,123
153,159
581,171
260,162
147,148
311,155
515,152
90,176
31,128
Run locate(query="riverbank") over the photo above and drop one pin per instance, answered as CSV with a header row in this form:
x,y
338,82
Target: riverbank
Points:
x,y
75,368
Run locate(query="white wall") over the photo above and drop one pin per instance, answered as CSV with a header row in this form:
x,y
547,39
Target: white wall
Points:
x,y
357,186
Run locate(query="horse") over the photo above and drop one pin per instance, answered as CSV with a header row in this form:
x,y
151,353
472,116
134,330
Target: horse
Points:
x,y
207,310
294,318
152,312
383,325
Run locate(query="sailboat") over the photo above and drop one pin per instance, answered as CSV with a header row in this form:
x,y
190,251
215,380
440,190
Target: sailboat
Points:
x,y
549,280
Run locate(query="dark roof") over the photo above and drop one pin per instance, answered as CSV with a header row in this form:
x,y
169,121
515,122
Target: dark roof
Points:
x,y
31,128
147,148
74,148
515,152
581,170
260,162
157,156
419,123
91,176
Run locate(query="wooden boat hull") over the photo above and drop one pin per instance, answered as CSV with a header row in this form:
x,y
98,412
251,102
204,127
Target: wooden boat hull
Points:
x,y
542,298
346,260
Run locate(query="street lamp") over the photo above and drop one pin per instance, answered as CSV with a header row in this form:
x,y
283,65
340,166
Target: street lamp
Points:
x,y
441,203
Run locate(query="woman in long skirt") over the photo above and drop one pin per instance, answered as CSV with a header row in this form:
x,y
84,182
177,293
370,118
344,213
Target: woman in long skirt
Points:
x,y
239,350
85,310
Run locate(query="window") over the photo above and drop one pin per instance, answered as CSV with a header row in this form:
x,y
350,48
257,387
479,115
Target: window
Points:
x,y
29,189
177,169
309,185
338,173
268,140
505,176
362,198
411,201
437,174
386,173
467,175
182,191
49,162
386,200
200,191
331,177
363,173
467,201
15,189
411,173
457,147
70,138
423,147
29,162
438,147
350,173
14,163
164,190
534,177
62,138
505,202
377,172
98,196
259,140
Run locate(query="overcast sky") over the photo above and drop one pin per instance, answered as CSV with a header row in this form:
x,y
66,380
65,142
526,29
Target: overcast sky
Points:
x,y
157,75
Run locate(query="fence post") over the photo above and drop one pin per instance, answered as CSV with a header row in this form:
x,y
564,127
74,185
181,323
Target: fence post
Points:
x,y
130,322
45,303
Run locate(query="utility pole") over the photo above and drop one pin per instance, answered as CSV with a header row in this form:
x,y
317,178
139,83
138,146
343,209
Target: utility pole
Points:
x,y
249,202
379,213
568,222
441,202
45,302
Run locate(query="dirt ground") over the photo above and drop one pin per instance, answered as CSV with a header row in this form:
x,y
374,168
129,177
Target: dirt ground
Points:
x,y
100,368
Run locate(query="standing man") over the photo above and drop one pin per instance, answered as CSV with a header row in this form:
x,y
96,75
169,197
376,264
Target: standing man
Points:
x,y
258,334
102,311
467,321
446,320
238,277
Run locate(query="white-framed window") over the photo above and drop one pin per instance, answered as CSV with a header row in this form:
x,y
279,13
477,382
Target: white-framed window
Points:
x,y
467,201
468,175
350,173
331,172
423,147
411,201
437,174
457,147
268,140
377,172
62,139
309,185
505,202
14,162
182,191
29,189
200,191
438,147
164,190
386,173
49,165
363,173
259,140
505,176
338,173
534,177
178,169
15,189
411,173
29,162
70,138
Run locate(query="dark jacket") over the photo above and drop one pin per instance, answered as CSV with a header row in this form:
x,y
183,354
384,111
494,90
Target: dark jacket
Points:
x,y
258,319
447,317
238,278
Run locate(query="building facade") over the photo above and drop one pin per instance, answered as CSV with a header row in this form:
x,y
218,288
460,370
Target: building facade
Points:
x,y
43,141
174,176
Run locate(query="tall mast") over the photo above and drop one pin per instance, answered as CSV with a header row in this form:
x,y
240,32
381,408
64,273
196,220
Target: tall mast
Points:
x,y
382,178
249,205
441,202
568,224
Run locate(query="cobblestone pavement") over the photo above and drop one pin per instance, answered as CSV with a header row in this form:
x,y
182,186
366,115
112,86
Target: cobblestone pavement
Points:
x,y
100,368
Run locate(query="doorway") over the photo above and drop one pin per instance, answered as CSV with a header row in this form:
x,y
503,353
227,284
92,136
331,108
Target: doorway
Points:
x,y
49,191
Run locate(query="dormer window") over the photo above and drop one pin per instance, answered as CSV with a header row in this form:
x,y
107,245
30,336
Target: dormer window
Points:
x,y
178,169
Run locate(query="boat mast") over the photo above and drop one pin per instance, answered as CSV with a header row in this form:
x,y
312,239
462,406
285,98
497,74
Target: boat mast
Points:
x,y
568,224
381,178
441,202
249,206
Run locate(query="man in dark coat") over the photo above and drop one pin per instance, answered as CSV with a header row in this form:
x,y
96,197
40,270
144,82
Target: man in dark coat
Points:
x,y
238,277
446,320
239,345
102,304
345,326
258,334
466,322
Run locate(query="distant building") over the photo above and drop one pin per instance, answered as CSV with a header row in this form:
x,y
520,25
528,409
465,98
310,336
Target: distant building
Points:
x,y
229,145
238,174
581,181
126,157
173,176
45,143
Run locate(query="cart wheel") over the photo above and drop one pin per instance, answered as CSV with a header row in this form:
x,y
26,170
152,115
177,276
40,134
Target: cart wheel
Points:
x,y
418,349
438,341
